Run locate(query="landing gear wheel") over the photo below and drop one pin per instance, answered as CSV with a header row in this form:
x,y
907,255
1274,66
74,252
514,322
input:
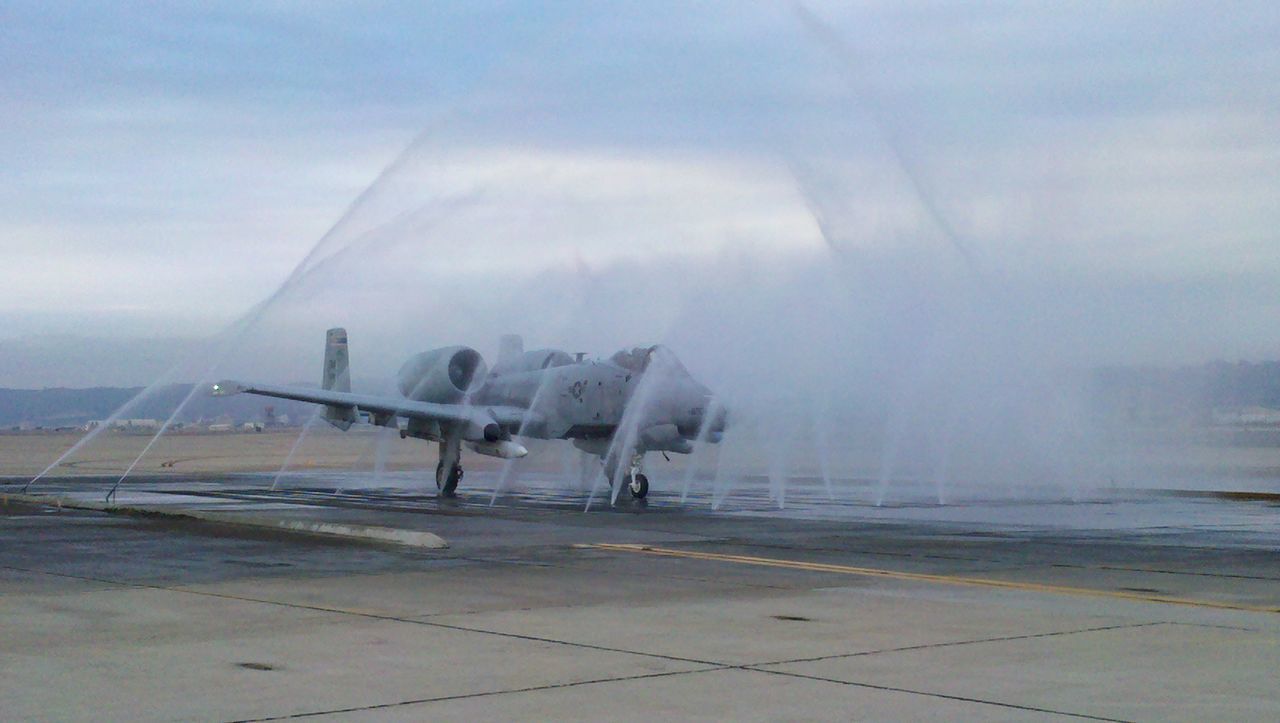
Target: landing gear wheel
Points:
x,y
639,486
448,483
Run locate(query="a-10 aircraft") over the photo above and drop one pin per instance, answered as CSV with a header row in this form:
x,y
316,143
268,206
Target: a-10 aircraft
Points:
x,y
639,400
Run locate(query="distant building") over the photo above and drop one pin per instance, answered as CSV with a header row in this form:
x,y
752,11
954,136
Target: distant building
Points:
x,y
1246,416
221,427
132,424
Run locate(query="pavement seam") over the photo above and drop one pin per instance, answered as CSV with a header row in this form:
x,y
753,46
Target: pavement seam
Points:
x,y
954,643
671,674
1217,626
945,696
484,694
1184,572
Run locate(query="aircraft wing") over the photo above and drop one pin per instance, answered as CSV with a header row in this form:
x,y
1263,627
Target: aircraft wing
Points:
x,y
465,414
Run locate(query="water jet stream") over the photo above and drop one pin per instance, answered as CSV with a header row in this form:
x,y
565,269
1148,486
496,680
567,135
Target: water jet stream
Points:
x,y
722,484
297,444
822,447
383,452
239,328
779,475
634,416
150,443
307,266
704,429
509,466
843,52
942,471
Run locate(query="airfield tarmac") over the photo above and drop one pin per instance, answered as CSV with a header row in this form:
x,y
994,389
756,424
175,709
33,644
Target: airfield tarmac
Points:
x,y
1118,606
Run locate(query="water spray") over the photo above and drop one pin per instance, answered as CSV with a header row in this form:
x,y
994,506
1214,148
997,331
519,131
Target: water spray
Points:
x,y
293,450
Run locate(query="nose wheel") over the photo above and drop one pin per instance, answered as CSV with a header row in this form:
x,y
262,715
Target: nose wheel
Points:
x,y
633,480
638,485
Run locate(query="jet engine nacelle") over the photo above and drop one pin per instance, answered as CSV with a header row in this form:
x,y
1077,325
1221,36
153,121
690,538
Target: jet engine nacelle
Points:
x,y
443,375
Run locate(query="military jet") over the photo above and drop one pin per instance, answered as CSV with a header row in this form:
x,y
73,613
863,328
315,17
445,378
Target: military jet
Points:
x,y
639,400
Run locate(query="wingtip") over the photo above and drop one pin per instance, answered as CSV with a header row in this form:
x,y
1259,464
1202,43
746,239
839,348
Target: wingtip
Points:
x,y
224,388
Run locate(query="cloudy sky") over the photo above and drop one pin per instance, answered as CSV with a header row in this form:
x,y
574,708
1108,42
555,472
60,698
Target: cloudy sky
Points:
x,y
586,172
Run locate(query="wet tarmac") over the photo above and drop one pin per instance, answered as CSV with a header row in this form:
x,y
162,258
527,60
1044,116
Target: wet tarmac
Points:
x,y
1117,605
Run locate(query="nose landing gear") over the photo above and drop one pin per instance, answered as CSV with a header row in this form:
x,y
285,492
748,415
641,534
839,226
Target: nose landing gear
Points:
x,y
638,485
628,477
634,480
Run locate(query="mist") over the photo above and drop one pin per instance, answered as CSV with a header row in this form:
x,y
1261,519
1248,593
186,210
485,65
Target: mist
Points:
x,y
889,266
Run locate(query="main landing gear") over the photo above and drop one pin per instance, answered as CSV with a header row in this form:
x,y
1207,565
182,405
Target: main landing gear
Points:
x,y
447,480
449,470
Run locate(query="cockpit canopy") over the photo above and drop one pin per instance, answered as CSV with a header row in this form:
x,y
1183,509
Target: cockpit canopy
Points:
x,y
641,358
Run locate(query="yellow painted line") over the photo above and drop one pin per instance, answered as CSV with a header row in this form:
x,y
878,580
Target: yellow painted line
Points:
x,y
922,577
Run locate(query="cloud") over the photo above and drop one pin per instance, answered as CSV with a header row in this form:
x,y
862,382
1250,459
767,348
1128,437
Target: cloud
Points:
x,y
165,168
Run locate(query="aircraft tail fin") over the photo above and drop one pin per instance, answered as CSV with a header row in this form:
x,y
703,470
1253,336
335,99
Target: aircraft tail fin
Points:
x,y
337,376
337,365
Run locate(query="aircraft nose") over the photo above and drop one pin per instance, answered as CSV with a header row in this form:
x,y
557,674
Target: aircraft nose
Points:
x,y
714,415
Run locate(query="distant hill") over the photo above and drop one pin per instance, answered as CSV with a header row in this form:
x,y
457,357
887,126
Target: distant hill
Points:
x,y
59,407
1137,395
